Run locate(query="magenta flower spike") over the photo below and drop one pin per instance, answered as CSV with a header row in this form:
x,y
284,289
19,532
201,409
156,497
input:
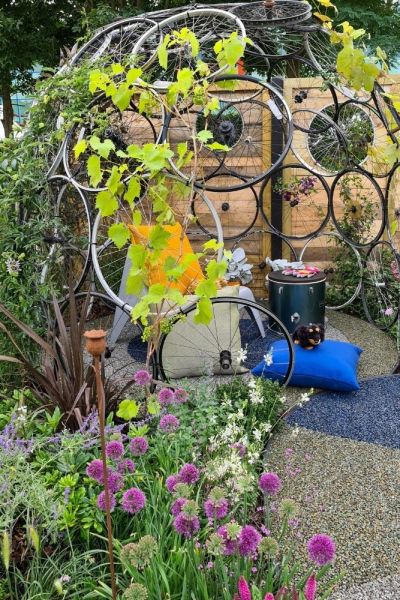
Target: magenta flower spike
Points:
x,y
310,589
243,589
269,596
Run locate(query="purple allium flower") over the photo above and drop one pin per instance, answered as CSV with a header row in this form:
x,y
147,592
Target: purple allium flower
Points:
x,y
101,501
142,377
177,506
169,423
186,525
189,474
114,449
115,481
216,509
270,483
181,396
94,470
310,589
138,446
171,482
133,500
166,396
230,545
249,539
240,449
321,549
126,466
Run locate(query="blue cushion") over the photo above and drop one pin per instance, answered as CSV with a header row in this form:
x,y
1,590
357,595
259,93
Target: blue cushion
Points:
x,y
330,366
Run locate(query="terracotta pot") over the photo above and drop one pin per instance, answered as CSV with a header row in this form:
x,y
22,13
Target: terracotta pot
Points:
x,y
95,341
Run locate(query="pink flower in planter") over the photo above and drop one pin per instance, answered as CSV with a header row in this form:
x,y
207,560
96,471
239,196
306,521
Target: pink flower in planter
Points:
x,y
310,589
243,589
142,377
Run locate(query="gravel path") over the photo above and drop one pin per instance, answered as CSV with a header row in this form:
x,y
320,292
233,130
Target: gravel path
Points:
x,y
346,488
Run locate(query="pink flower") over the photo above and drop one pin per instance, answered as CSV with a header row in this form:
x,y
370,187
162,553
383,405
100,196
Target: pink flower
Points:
x,y
230,545
248,540
138,446
243,589
114,449
142,377
115,481
269,596
133,500
94,470
181,396
169,423
126,466
101,501
310,589
186,525
166,396
189,474
321,549
171,482
270,483
216,509
177,506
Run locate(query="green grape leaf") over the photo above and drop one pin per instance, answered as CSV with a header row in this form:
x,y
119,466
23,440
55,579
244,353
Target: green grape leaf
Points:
x,y
153,406
134,284
204,136
215,270
119,234
133,74
133,191
212,245
204,312
122,96
106,203
79,148
137,254
102,148
219,147
113,182
162,51
94,170
158,238
128,409
207,288
137,218
117,68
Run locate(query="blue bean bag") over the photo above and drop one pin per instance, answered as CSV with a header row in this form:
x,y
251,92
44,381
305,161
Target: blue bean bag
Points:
x,y
330,366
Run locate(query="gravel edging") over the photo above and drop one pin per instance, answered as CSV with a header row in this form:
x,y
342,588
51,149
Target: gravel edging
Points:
x,y
387,588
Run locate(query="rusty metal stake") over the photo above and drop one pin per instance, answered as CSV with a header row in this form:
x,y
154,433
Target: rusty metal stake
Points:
x,y
96,345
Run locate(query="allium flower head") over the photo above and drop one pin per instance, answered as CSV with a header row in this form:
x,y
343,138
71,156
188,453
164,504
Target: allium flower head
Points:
x,y
142,377
169,423
288,508
140,554
115,481
177,506
171,482
321,549
101,501
230,535
185,525
268,546
114,449
248,540
136,591
183,490
189,474
126,466
94,470
216,509
166,396
215,545
190,508
270,483
133,500
138,446
181,396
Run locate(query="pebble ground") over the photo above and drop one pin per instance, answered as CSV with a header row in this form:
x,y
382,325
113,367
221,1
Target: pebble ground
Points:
x,y
348,489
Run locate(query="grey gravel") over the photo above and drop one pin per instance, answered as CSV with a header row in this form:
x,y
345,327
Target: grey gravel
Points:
x,y
387,588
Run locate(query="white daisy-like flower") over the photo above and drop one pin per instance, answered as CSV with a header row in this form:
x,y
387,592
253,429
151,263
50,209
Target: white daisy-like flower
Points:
x,y
295,430
242,355
268,358
282,399
252,384
257,434
267,427
255,397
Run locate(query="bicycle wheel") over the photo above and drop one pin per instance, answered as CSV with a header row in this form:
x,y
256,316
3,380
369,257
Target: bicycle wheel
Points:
x,y
318,143
381,285
114,41
241,335
358,208
392,204
295,202
120,128
111,263
237,209
248,112
389,115
341,263
273,12
209,25
275,42
69,242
